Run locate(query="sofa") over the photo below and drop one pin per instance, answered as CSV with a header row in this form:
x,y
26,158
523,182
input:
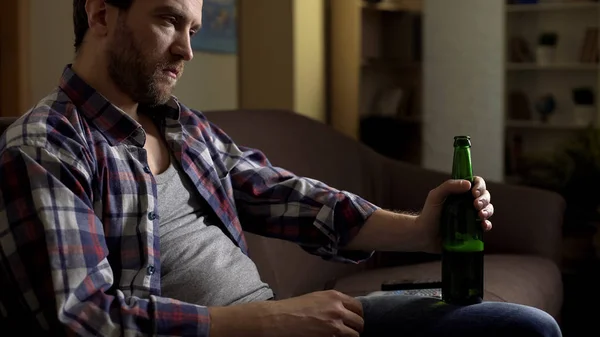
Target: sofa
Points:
x,y
522,252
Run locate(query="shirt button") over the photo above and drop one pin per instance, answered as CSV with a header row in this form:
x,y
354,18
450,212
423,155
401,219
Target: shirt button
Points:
x,y
150,270
152,216
147,169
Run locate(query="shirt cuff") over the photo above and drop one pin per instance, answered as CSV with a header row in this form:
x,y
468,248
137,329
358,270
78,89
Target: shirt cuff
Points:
x,y
349,216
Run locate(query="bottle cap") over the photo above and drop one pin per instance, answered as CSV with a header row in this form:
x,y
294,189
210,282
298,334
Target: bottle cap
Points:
x,y
462,141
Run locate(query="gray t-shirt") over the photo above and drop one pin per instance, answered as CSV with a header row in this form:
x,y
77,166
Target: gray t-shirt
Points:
x,y
199,263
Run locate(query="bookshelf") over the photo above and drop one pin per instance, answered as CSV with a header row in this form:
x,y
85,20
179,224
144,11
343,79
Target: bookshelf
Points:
x,y
375,74
549,7
531,75
575,66
394,5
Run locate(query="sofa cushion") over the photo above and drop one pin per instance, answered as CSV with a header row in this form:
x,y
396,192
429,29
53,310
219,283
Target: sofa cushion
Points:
x,y
522,279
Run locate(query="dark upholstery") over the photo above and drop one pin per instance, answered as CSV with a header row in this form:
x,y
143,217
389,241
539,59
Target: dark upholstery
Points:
x,y
522,251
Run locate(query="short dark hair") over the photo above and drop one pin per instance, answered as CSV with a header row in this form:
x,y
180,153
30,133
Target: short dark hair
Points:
x,y
80,18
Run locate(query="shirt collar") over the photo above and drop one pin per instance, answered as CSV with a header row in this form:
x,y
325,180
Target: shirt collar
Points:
x,y
116,125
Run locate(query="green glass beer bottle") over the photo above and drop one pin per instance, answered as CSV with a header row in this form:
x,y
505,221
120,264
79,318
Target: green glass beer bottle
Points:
x,y
462,236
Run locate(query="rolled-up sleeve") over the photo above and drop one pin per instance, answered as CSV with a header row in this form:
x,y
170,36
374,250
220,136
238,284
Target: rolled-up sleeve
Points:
x,y
274,202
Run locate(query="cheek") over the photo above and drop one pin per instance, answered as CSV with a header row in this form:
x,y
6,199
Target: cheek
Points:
x,y
159,40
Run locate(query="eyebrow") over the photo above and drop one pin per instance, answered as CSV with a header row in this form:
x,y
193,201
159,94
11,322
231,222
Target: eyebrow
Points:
x,y
176,12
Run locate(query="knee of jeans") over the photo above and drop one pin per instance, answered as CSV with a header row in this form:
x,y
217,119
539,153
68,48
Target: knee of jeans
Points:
x,y
536,322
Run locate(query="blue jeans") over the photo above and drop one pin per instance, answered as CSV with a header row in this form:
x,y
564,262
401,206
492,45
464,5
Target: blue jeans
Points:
x,y
412,316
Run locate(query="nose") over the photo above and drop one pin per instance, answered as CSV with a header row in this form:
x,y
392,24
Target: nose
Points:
x,y
183,47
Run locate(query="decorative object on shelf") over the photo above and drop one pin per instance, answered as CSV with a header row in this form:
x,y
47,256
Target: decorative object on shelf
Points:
x,y
520,51
584,110
219,28
545,51
573,165
519,107
514,155
589,49
545,106
389,102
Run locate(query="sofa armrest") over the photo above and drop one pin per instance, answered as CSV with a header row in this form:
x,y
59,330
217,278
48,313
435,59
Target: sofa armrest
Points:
x,y
526,220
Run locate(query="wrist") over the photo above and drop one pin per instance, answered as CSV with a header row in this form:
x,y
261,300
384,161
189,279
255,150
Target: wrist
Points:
x,y
249,320
388,231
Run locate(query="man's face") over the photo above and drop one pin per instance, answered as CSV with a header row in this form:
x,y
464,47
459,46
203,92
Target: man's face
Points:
x,y
149,45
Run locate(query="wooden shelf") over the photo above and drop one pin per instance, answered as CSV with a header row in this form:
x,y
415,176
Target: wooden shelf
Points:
x,y
394,5
555,66
545,7
390,64
516,124
410,119
396,119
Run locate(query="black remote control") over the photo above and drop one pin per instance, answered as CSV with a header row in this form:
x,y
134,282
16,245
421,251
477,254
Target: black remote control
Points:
x,y
410,284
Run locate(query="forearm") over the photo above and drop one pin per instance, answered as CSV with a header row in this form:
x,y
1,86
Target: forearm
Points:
x,y
388,231
239,320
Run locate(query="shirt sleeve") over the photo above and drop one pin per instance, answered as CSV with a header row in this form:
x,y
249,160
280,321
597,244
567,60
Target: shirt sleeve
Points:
x,y
274,202
53,256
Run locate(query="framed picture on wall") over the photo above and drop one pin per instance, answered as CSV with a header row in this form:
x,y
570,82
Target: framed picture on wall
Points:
x,y
219,28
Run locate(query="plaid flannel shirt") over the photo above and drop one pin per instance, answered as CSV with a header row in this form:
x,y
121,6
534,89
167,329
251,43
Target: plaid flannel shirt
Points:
x,y
79,241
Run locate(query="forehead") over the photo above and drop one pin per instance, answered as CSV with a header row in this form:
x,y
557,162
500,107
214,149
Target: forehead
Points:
x,y
191,8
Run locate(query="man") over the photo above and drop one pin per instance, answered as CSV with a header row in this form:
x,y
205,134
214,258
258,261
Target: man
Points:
x,y
121,210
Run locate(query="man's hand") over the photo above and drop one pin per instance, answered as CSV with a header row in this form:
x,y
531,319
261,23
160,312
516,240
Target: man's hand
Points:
x,y
429,219
319,314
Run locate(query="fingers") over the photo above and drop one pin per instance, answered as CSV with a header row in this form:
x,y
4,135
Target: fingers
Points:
x,y
483,201
354,312
352,304
344,331
353,321
487,225
479,186
438,195
487,212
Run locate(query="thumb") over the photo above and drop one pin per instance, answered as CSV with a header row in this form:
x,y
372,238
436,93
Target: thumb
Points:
x,y
454,186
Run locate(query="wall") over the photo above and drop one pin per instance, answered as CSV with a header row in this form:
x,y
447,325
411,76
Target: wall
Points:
x,y
309,58
209,81
464,83
51,38
282,56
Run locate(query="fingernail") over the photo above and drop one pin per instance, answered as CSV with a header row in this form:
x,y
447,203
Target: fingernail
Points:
x,y
480,203
485,214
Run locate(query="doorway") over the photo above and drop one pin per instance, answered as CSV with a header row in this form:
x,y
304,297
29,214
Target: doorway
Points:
x,y
14,56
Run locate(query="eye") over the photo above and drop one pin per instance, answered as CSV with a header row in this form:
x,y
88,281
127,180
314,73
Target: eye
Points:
x,y
170,19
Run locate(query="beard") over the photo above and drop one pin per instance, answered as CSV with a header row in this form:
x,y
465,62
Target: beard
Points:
x,y
137,75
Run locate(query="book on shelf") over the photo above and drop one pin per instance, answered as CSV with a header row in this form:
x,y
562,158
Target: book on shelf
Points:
x,y
589,50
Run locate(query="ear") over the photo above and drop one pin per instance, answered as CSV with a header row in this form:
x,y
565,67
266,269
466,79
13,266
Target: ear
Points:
x,y
97,17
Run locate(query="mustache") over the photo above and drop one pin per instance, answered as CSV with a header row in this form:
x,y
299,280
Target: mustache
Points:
x,y
178,66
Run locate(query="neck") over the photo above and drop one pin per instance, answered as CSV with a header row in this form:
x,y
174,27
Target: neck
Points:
x,y
94,71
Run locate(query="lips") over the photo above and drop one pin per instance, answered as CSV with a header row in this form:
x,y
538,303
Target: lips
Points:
x,y
173,71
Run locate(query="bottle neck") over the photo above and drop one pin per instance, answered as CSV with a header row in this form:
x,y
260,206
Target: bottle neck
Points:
x,y
461,166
